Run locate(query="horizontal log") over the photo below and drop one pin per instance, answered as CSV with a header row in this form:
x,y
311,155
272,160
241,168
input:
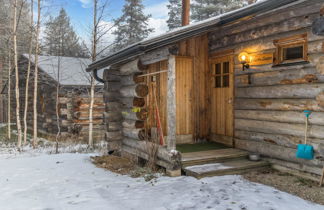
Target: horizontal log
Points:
x,y
139,91
156,55
132,102
293,76
113,136
111,96
275,16
162,152
315,131
134,66
295,169
316,118
133,124
300,91
129,114
134,133
132,79
279,104
113,107
110,75
112,117
113,126
112,86
281,139
146,156
274,151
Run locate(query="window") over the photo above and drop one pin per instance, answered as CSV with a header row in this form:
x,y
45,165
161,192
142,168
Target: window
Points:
x,y
221,74
291,49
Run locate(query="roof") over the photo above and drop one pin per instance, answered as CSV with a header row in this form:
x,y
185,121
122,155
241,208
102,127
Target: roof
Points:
x,y
139,48
72,70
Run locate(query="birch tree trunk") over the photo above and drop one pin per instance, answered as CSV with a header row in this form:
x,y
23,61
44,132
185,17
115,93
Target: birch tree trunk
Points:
x,y
94,53
28,70
9,90
17,76
36,76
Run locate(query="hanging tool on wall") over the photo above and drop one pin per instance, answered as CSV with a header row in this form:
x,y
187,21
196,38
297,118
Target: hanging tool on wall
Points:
x,y
157,116
305,151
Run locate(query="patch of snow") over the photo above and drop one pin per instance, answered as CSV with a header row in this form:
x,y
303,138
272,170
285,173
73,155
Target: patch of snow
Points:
x,y
207,167
71,181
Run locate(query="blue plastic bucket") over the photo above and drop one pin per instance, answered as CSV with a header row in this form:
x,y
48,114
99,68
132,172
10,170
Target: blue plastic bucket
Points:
x,y
305,151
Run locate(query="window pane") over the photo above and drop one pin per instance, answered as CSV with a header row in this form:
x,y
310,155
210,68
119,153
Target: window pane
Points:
x,y
226,67
226,81
218,81
293,53
218,68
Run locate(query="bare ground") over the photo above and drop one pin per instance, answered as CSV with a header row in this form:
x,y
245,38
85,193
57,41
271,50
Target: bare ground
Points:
x,y
306,189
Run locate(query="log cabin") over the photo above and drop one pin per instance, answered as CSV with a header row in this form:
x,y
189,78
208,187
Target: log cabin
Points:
x,y
242,79
74,86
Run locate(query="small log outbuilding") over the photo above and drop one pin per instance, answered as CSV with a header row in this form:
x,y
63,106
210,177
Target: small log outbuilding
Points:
x,y
74,98
242,79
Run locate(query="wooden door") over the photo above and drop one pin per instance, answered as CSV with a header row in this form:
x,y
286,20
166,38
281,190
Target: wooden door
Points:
x,y
222,87
184,80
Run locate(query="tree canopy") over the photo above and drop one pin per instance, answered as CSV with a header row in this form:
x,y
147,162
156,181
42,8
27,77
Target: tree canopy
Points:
x,y
60,38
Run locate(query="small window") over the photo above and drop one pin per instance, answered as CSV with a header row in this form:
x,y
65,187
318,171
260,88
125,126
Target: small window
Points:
x,y
222,74
291,49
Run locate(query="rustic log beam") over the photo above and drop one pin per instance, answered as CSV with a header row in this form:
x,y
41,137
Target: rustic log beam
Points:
x,y
315,131
131,79
132,102
129,114
113,126
281,139
300,91
112,116
113,136
113,106
158,55
162,152
134,66
316,118
133,124
139,90
278,104
134,133
171,104
274,151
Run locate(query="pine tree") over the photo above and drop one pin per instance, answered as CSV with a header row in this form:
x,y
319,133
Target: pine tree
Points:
x,y
60,38
175,9
203,9
132,26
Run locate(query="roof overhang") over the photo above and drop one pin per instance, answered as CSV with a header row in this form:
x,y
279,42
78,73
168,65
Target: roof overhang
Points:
x,y
199,28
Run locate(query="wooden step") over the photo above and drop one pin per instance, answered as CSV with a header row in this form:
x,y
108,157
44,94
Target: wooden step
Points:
x,y
212,156
225,168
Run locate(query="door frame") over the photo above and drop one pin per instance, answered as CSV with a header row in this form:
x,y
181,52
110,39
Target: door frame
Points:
x,y
212,58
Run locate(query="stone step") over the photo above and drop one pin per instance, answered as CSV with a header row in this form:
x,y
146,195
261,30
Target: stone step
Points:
x,y
212,156
226,168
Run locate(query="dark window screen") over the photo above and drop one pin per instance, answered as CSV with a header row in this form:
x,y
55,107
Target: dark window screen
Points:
x,y
292,53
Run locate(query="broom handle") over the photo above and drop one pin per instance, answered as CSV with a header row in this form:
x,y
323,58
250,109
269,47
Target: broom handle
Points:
x,y
306,130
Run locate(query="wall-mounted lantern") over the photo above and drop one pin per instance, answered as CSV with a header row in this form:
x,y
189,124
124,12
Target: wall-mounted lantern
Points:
x,y
244,59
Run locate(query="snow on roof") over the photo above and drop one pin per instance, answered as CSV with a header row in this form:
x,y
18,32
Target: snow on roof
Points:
x,y
72,70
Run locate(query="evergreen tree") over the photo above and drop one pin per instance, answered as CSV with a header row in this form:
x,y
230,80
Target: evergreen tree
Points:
x,y
132,26
175,9
203,9
60,38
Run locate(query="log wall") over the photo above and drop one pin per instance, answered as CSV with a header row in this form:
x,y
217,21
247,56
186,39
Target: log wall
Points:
x,y
269,101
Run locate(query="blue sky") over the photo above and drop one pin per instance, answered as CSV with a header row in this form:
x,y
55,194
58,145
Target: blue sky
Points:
x,y
80,12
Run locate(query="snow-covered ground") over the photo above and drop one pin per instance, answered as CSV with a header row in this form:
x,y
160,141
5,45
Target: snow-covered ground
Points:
x,y
70,181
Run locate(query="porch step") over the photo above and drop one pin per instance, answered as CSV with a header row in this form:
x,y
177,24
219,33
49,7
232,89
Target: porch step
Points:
x,y
225,168
212,156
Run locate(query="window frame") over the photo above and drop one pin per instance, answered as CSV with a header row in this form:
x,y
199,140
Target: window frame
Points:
x,y
290,42
221,75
